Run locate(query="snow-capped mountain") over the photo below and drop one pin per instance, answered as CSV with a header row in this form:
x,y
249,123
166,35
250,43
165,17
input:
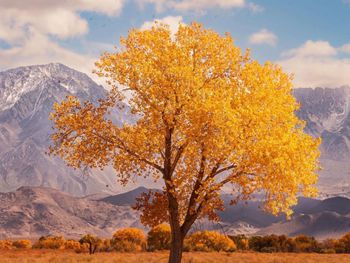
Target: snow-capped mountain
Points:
x,y
327,115
28,93
26,98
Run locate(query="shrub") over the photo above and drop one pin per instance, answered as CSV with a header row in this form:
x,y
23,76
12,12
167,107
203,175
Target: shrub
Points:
x,y
50,242
241,242
269,250
23,244
6,244
159,238
106,246
272,243
93,242
327,251
72,245
306,244
343,245
209,241
129,240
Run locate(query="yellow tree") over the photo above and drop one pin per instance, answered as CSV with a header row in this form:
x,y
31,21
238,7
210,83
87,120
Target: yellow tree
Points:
x,y
208,118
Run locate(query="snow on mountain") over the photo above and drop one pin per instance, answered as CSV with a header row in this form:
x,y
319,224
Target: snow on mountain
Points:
x,y
28,93
327,115
26,98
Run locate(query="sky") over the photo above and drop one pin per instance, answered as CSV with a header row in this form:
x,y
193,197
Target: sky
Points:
x,y
308,38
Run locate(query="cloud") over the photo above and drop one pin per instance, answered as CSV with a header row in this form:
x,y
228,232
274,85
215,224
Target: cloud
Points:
x,y
264,36
317,64
345,48
313,49
30,27
57,18
172,21
39,49
199,5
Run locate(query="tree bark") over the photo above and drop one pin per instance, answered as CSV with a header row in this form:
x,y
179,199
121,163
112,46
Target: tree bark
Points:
x,y
176,247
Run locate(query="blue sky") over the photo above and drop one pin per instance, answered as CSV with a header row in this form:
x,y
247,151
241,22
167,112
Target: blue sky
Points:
x,y
310,38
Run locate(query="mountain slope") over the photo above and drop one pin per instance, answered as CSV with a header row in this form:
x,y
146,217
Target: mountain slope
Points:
x,y
327,115
321,226
36,211
26,98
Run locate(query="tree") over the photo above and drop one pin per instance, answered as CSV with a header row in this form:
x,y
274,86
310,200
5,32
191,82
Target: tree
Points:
x,y
208,117
92,241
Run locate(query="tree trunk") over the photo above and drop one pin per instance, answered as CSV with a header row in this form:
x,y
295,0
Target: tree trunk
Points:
x,y
90,248
176,248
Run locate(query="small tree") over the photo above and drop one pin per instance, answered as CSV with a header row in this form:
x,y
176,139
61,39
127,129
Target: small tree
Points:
x,y
92,241
208,117
129,240
159,237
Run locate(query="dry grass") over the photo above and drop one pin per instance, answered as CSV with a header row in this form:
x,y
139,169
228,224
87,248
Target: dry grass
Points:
x,y
40,256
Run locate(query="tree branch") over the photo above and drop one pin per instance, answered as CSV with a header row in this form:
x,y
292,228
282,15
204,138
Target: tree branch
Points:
x,y
178,155
126,149
225,169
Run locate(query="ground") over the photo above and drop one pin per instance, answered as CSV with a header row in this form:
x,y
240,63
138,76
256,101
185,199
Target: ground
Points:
x,y
40,256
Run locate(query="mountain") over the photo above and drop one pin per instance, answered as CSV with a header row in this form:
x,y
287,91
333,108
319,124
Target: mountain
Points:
x,y
36,211
27,95
30,212
26,98
321,226
326,112
127,198
320,218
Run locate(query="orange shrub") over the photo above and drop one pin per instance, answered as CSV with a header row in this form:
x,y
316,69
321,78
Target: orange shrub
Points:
x,y
343,245
106,246
209,241
129,240
306,244
72,245
50,242
6,244
24,244
159,237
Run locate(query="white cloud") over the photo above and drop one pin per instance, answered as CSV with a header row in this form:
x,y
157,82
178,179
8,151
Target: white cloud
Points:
x,y
172,21
57,18
317,64
29,26
199,5
313,48
39,49
264,36
345,48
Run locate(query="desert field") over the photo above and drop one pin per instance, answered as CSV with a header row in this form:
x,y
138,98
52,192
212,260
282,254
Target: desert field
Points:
x,y
40,256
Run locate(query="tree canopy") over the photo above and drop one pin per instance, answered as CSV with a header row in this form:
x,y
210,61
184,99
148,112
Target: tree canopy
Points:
x,y
208,117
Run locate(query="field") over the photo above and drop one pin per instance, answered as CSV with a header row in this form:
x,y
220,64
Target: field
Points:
x,y
40,256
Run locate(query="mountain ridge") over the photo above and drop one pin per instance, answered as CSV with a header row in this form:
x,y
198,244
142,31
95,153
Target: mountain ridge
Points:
x,y
26,98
